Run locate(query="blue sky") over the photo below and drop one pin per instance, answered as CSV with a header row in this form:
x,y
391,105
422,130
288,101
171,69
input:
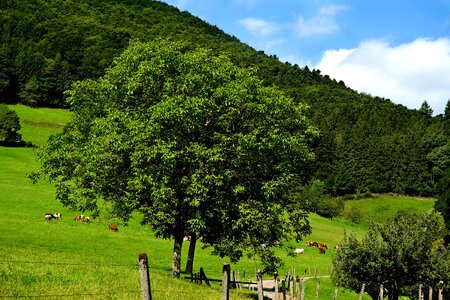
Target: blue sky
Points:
x,y
395,49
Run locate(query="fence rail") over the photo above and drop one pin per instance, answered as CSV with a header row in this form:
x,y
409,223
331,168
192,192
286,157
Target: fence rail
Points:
x,y
276,288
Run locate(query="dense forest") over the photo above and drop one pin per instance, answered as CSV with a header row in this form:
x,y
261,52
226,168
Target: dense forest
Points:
x,y
366,143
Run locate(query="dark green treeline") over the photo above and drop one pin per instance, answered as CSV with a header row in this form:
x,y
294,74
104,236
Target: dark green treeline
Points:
x,y
366,143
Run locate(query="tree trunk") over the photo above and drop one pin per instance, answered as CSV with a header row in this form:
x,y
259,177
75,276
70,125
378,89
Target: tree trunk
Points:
x,y
176,257
191,253
394,294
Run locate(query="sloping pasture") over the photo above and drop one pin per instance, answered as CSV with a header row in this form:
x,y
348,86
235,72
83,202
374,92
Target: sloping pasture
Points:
x,y
69,259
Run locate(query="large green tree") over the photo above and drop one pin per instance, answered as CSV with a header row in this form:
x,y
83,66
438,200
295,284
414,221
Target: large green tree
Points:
x,y
400,255
194,143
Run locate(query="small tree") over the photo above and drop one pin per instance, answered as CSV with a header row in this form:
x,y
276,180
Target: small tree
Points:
x,y
9,126
426,110
313,193
330,207
352,213
447,110
399,255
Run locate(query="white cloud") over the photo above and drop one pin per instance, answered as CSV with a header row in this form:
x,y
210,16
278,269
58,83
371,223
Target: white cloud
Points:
x,y
324,22
407,74
258,27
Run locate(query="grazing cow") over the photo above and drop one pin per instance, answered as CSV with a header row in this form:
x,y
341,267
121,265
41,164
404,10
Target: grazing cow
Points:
x,y
309,243
82,218
315,244
113,228
322,245
299,251
49,216
321,250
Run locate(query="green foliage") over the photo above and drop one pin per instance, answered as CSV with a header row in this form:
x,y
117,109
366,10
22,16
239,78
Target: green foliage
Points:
x,y
365,143
447,110
9,126
193,142
353,214
330,207
398,254
442,204
25,234
313,193
426,110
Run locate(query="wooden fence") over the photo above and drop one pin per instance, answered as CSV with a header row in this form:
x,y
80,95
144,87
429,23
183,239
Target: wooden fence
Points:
x,y
291,286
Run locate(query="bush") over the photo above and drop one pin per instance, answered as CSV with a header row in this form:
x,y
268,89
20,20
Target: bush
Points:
x,y
353,214
9,126
368,194
330,207
349,197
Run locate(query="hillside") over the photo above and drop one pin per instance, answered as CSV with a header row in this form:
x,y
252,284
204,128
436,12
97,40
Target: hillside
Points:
x,y
366,143
66,257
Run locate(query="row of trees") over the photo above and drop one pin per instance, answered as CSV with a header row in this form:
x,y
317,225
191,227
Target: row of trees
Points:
x,y
366,143
402,254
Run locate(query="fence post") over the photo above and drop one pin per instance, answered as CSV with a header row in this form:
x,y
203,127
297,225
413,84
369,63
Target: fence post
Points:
x,y
336,291
420,292
361,293
260,285
283,288
226,281
291,287
297,286
440,286
275,275
146,291
203,275
317,289
239,279
381,296
302,297
430,293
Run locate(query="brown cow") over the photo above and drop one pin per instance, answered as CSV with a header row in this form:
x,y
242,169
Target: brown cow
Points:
x,y
113,228
321,250
323,245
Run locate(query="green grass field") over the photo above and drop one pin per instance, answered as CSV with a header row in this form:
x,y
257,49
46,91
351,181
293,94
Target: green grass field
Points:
x,y
68,259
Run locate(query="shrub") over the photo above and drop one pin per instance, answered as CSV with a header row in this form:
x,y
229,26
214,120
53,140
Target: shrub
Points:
x,y
330,207
349,197
9,126
353,214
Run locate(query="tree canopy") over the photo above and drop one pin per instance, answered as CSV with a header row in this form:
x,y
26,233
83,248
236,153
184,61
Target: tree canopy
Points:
x,y
366,142
406,251
194,143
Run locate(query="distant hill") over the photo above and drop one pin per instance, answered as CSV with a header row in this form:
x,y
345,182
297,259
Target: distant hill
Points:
x,y
366,143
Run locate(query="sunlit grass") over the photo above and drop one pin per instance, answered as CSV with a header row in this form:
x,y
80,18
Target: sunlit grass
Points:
x,y
65,257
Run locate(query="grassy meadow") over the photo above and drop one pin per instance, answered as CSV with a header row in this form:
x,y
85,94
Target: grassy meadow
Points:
x,y
69,259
